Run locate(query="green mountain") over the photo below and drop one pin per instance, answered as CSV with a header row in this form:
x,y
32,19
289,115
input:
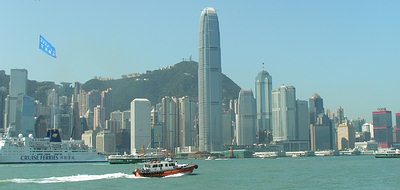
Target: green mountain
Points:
x,y
178,80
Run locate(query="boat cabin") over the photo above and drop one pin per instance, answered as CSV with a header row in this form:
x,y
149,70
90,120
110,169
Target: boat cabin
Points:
x,y
159,166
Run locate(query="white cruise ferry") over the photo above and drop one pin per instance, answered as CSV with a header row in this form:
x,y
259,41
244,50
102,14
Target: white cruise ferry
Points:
x,y
50,149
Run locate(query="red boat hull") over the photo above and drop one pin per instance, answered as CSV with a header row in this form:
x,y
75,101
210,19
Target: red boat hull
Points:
x,y
184,170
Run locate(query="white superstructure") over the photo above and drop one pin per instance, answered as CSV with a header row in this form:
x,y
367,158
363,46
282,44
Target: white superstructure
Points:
x,y
42,150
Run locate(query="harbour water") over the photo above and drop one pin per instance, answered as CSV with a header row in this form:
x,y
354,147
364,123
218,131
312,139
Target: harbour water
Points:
x,y
340,172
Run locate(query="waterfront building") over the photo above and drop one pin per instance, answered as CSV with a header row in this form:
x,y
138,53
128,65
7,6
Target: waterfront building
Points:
x,y
140,124
3,95
17,87
25,121
302,121
209,82
316,107
170,122
187,114
263,92
105,142
383,131
322,134
228,125
246,119
320,137
396,130
284,113
89,138
40,127
123,141
346,136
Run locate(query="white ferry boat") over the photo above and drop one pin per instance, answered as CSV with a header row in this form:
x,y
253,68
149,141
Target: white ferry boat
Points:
x,y
51,149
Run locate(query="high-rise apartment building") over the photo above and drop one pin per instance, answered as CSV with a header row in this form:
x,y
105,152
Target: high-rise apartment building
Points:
x,y
209,82
246,119
263,95
284,113
140,124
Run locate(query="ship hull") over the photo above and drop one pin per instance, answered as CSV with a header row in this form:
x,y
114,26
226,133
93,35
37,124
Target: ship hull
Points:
x,y
29,158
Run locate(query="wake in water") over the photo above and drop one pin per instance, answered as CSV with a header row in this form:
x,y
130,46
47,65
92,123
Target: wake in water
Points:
x,y
78,178
74,178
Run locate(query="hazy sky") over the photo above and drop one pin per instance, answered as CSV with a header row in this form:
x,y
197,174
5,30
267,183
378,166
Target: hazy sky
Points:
x,y
347,51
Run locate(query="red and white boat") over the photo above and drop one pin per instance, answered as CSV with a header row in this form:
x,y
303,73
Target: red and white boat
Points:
x,y
164,168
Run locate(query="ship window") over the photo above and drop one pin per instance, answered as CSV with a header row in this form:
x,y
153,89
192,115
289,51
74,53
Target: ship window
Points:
x,y
172,164
155,165
166,165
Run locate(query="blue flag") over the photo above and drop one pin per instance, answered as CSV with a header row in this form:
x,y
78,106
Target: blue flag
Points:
x,y
45,46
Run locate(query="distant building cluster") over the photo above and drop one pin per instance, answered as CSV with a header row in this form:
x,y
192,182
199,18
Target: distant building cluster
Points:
x,y
274,118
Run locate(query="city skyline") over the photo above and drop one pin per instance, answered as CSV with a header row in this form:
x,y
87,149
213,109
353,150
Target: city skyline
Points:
x,y
344,51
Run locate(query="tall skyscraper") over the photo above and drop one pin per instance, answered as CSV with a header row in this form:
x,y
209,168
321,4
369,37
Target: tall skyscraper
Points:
x,y
3,95
263,102
76,122
106,104
302,121
17,87
170,122
187,113
246,119
284,113
383,131
396,136
140,124
209,79
316,107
